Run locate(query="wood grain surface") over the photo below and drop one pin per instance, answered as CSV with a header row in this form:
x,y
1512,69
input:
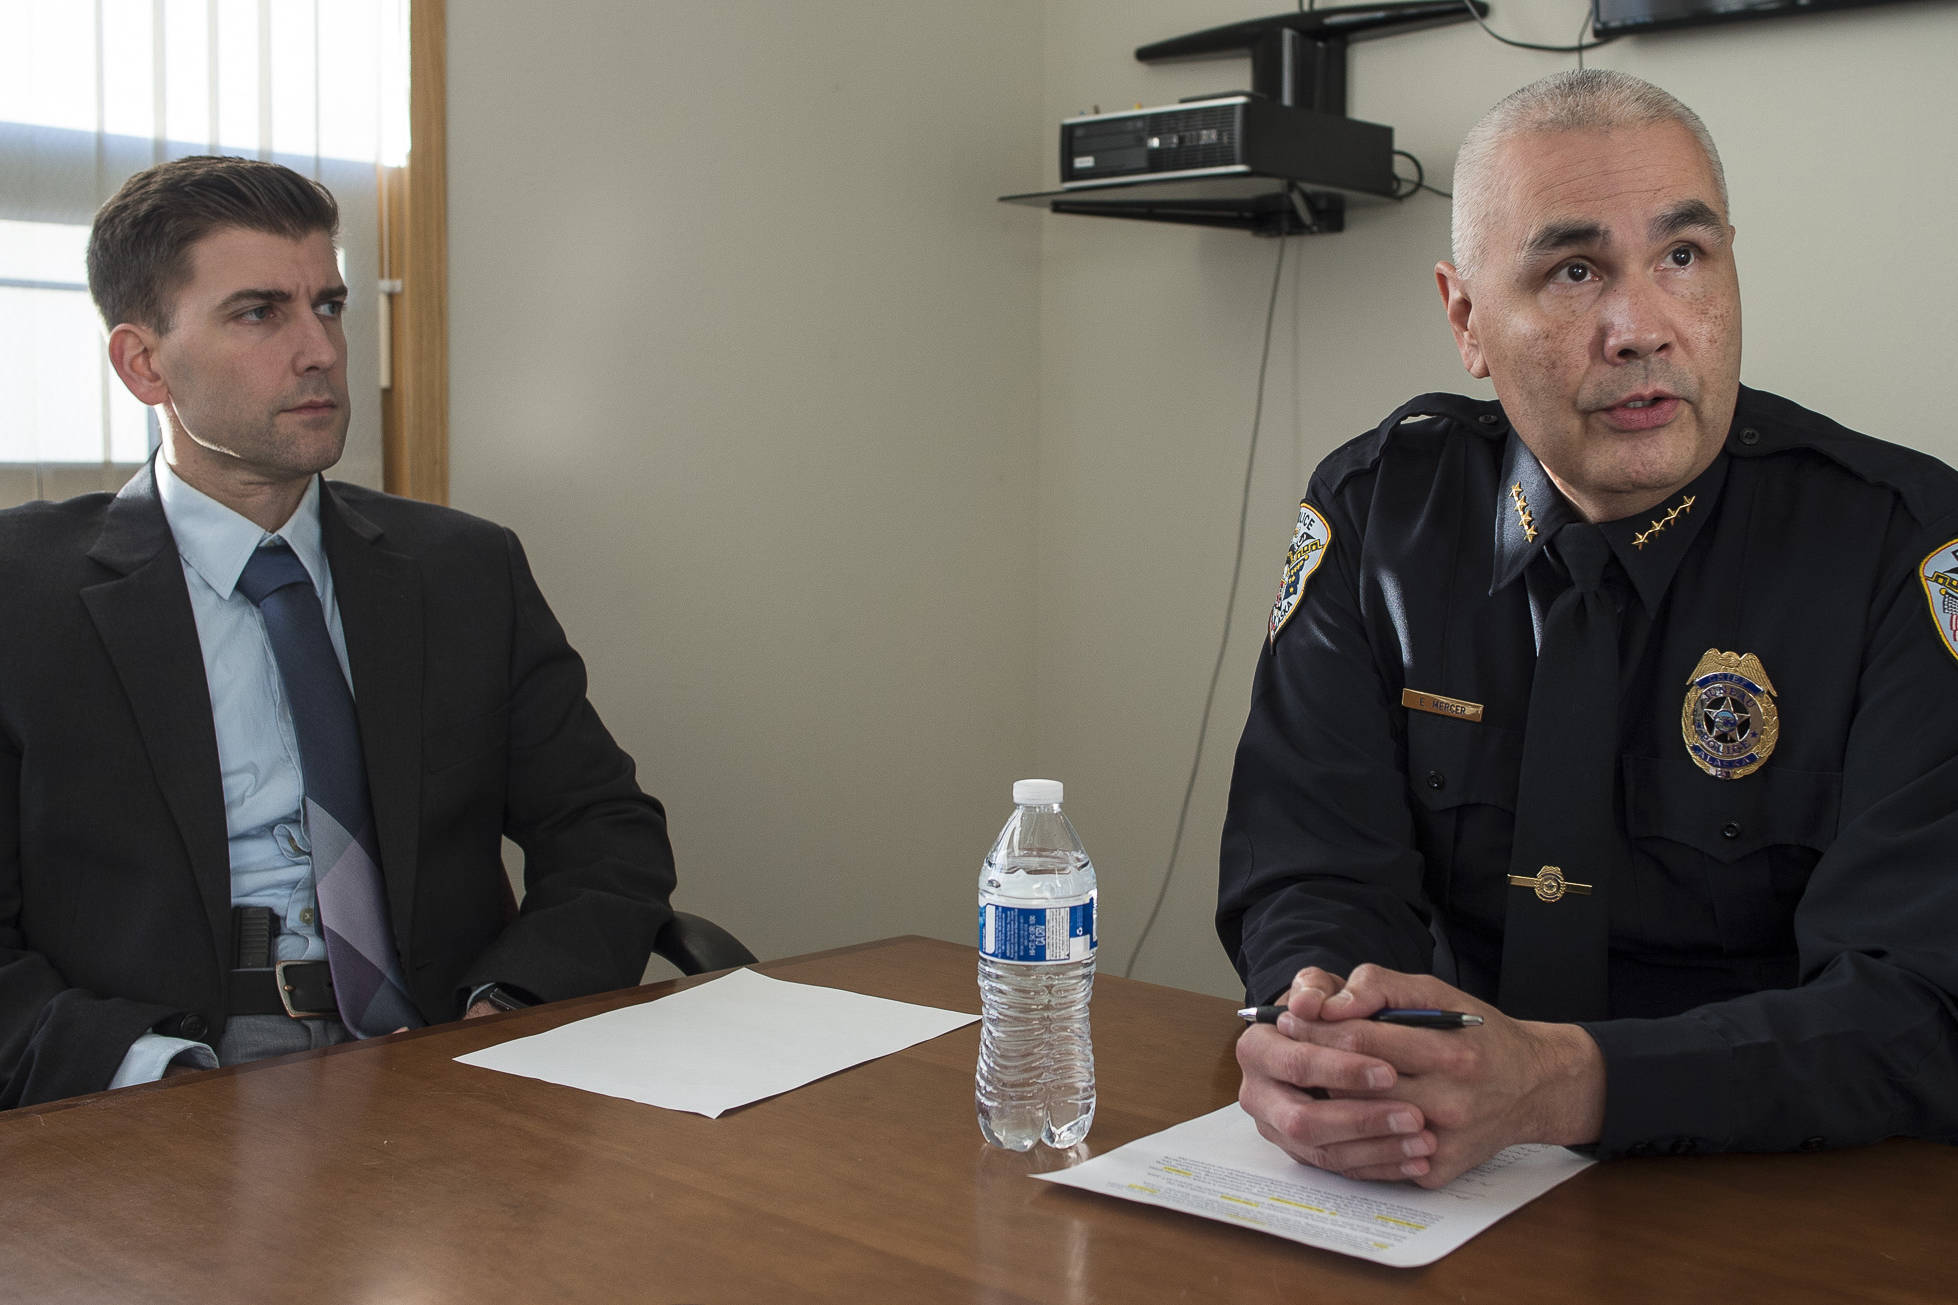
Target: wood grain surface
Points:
x,y
385,1172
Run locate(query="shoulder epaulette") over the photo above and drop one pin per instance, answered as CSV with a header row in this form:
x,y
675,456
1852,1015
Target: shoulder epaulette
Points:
x,y
1427,415
1766,424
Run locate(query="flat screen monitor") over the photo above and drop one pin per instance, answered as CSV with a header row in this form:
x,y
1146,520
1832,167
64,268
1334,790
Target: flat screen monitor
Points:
x,y
1628,17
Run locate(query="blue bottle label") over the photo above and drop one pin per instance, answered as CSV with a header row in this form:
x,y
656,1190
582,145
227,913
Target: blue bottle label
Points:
x,y
1046,934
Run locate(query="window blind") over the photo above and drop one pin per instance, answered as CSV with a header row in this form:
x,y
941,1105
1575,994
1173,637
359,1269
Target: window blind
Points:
x,y
92,91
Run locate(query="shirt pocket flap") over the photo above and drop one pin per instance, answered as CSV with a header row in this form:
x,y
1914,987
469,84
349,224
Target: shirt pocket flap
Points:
x,y
1728,819
1454,763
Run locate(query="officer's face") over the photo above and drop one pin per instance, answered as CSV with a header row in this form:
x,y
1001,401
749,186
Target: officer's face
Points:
x,y
1607,311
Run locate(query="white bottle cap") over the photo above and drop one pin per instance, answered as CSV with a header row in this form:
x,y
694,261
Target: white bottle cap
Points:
x,y
1037,792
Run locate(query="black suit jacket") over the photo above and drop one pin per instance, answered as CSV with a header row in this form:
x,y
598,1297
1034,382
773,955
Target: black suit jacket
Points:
x,y
115,882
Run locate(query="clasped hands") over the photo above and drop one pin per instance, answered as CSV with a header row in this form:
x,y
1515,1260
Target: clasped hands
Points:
x,y
1339,1092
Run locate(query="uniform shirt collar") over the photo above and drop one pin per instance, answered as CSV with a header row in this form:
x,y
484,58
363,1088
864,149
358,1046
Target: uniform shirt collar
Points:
x,y
1529,510
1650,545
216,542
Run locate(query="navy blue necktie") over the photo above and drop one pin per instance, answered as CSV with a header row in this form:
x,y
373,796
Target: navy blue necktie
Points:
x,y
367,983
1567,844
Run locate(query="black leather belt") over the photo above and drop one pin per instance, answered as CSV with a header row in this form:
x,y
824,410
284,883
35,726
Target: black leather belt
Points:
x,y
301,989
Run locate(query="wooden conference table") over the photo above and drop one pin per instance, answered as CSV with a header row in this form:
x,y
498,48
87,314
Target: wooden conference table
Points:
x,y
384,1172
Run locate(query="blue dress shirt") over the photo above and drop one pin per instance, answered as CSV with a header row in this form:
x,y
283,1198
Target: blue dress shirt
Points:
x,y
258,753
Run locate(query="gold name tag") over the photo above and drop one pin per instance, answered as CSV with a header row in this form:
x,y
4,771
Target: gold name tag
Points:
x,y
1415,700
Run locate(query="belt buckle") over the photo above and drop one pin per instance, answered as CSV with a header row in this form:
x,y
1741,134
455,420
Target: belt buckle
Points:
x,y
286,991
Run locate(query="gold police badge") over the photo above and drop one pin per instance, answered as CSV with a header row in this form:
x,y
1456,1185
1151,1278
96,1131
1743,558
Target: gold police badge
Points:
x,y
1309,543
1940,576
1729,720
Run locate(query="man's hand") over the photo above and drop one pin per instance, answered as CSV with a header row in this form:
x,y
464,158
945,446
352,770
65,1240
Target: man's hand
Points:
x,y
1475,1090
478,1010
1327,1106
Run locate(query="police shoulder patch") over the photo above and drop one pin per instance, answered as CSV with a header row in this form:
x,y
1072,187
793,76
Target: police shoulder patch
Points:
x,y
1939,574
1310,540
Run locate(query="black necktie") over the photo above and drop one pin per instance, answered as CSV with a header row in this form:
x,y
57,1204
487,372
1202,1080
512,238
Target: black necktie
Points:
x,y
367,983
1556,938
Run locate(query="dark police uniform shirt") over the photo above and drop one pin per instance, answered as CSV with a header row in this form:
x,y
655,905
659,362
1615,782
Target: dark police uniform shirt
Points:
x,y
1784,954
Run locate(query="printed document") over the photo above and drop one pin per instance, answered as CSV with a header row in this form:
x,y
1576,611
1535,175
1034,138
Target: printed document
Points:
x,y
719,1045
1217,1166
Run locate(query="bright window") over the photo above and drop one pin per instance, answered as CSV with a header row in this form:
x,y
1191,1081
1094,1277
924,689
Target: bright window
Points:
x,y
93,92
69,406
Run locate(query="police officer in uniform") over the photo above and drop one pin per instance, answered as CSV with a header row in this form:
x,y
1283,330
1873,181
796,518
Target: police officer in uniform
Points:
x,y
1621,711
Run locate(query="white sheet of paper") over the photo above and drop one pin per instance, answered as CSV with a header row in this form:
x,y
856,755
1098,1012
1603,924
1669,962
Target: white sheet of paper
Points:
x,y
719,1045
1217,1167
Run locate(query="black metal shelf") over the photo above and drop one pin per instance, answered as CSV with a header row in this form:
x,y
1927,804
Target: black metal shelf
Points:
x,y
1261,205
1298,61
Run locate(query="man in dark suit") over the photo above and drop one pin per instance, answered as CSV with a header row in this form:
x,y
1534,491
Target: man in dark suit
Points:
x,y
158,903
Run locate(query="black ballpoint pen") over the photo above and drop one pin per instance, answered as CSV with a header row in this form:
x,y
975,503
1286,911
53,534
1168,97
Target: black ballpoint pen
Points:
x,y
1419,1019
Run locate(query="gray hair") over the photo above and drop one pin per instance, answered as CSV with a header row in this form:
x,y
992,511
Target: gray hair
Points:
x,y
1576,99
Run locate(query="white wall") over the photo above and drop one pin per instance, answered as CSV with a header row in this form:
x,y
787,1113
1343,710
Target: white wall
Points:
x,y
743,349
787,409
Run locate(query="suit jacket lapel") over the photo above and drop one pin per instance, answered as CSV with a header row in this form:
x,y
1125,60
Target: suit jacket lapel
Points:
x,y
145,621
379,593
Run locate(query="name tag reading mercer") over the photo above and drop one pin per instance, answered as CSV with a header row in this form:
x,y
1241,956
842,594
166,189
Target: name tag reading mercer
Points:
x,y
1460,709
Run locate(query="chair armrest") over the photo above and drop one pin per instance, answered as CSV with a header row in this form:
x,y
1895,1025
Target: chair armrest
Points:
x,y
695,944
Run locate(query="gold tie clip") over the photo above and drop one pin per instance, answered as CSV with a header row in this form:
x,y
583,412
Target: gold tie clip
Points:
x,y
1549,884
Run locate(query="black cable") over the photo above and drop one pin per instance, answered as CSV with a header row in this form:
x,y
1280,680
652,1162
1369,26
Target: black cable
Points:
x,y
1420,175
1577,49
1419,181
1230,605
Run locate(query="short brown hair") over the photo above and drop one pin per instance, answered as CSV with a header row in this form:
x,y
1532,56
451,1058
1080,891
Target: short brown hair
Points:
x,y
139,250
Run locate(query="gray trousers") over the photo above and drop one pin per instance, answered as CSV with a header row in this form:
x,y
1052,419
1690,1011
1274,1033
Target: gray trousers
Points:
x,y
254,1037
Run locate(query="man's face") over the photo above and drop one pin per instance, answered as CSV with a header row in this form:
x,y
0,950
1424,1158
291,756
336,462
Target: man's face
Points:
x,y
254,366
1607,311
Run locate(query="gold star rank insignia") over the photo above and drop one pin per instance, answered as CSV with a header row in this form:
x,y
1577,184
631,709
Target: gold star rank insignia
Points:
x,y
1659,524
1940,576
1729,719
1523,517
1309,543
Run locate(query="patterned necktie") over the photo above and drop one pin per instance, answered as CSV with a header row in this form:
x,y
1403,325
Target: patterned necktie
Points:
x,y
367,981
1556,937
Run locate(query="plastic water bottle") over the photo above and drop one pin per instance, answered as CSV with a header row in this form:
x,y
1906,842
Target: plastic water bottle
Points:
x,y
1036,1079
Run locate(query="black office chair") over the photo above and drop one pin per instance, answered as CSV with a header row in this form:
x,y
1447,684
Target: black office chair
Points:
x,y
695,944
692,944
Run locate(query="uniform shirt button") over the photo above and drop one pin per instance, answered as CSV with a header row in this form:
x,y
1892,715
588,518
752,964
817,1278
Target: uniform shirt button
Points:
x,y
193,1026
1750,436
1813,1144
1437,781
1730,830
1683,1146
1488,418
1640,1148
305,915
